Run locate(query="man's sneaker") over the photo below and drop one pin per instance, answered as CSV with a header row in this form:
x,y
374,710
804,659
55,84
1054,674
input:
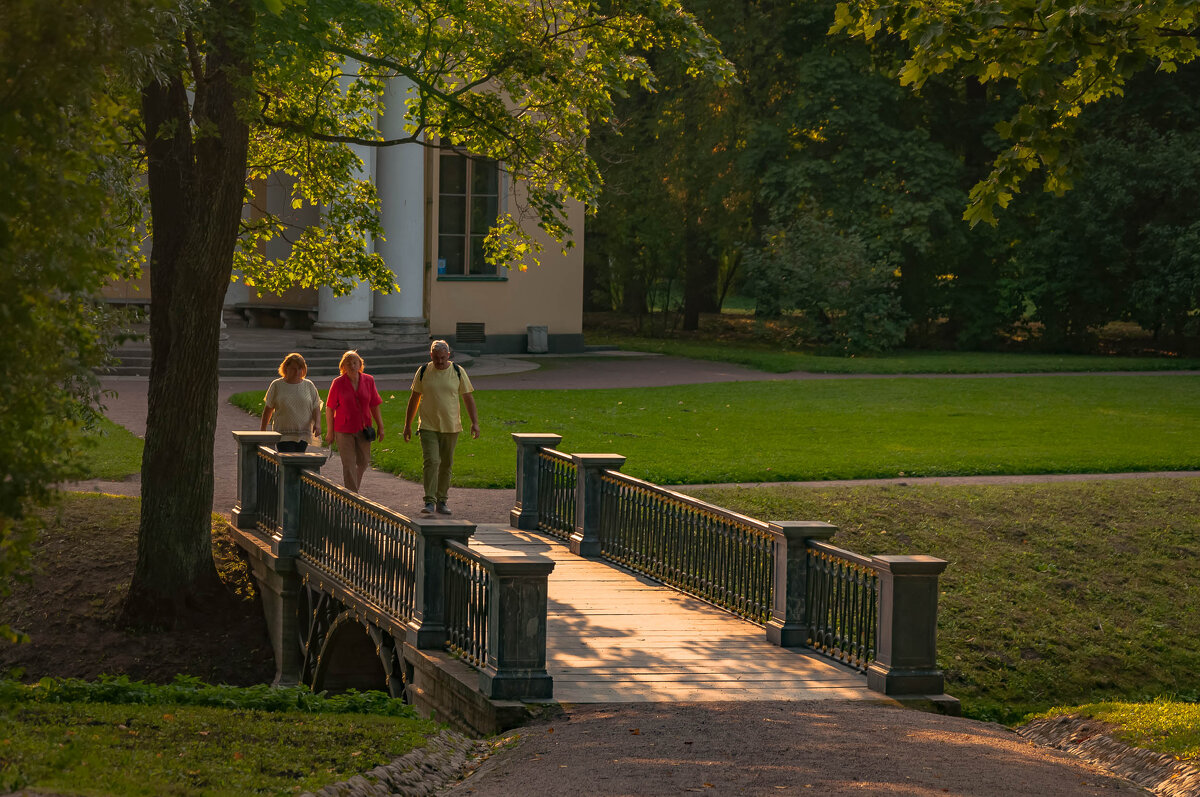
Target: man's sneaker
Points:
x,y
442,509
427,510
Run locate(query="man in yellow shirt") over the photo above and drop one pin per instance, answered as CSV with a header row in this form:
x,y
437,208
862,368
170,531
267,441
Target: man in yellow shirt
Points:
x,y
436,392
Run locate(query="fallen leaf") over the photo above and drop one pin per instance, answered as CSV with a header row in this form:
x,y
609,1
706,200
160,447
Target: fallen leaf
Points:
x,y
237,756
635,731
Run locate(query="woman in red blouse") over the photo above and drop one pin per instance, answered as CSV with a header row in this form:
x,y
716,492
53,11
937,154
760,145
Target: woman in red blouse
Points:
x,y
352,404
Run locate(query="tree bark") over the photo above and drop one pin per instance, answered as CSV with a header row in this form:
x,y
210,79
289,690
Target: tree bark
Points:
x,y
196,166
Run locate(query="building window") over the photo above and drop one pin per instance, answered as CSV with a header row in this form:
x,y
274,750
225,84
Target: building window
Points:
x,y
468,204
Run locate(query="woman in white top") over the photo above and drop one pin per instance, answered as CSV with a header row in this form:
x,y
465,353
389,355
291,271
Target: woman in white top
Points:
x,y
294,405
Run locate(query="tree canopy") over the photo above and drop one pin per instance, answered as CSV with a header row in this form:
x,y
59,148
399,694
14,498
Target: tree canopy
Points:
x,y
251,88
68,216
1059,55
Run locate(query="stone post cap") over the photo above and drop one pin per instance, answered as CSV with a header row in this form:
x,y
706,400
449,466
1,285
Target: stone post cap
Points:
x,y
430,527
252,436
598,460
802,529
920,565
520,566
526,439
309,459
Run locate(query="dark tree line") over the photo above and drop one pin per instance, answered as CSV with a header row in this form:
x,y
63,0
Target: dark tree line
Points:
x,y
828,193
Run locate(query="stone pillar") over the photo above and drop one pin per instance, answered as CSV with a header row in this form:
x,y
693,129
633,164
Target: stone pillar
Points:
x,y
788,626
516,644
291,468
400,178
427,629
906,659
343,322
245,514
585,540
525,514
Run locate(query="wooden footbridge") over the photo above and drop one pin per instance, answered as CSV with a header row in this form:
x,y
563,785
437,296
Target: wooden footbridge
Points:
x,y
601,589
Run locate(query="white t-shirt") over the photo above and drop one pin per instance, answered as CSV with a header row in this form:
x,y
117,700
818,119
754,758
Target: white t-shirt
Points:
x,y
294,405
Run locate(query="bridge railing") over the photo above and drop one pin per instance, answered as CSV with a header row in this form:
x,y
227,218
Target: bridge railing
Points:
x,y
696,547
556,493
496,619
877,614
416,577
361,543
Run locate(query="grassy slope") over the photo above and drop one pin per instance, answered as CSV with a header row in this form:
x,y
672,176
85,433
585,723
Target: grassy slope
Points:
x,y
1055,593
109,452
836,429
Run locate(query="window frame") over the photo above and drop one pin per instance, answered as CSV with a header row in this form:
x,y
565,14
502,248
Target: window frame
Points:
x,y
471,162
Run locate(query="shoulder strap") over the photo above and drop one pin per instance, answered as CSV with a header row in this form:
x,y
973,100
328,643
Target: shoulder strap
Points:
x,y
421,373
458,372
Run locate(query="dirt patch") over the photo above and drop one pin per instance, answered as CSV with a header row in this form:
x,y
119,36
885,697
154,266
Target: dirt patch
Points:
x,y
69,606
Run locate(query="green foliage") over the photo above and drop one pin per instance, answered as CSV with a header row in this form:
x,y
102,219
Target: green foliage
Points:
x,y
834,429
95,748
848,302
191,691
1059,55
67,225
499,80
1054,593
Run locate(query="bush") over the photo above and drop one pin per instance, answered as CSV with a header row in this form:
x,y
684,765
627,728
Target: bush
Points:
x,y
847,301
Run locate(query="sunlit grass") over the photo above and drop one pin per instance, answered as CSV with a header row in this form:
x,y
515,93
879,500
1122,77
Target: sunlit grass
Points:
x,y
833,429
1055,594
1165,726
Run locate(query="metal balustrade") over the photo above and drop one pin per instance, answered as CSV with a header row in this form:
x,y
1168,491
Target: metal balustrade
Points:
x,y
468,592
266,478
696,547
363,544
556,492
843,604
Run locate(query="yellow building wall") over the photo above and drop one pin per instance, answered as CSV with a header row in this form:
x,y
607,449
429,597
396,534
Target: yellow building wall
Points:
x,y
549,295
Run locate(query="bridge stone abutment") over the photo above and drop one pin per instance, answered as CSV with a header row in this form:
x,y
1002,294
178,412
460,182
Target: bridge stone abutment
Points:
x,y
357,596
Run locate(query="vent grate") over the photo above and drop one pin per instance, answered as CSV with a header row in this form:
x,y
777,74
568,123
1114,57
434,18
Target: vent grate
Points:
x,y
469,332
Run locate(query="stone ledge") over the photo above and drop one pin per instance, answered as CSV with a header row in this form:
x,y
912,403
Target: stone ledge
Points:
x,y
1093,742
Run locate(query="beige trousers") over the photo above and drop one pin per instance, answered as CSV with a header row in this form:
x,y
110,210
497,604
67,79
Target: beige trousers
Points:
x,y
356,456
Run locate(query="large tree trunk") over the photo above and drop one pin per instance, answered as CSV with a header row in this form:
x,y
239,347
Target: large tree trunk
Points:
x,y
196,194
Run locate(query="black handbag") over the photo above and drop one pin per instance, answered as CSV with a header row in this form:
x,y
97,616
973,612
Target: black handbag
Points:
x,y
368,433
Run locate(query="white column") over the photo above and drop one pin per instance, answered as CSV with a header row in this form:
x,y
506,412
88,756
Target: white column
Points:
x,y
400,179
344,321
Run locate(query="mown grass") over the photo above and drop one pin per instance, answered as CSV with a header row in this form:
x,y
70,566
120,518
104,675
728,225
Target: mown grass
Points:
x,y
1055,594
833,429
1164,726
108,451
102,749
770,358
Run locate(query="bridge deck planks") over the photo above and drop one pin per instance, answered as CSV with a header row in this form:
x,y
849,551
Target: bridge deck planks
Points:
x,y
616,637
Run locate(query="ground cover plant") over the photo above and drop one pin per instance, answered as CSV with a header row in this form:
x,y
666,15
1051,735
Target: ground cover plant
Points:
x,y
833,429
1055,594
163,748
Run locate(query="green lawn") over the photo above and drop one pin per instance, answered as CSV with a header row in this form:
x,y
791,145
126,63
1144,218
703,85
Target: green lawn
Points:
x,y
834,429
1055,594
109,451
768,357
93,746
1165,726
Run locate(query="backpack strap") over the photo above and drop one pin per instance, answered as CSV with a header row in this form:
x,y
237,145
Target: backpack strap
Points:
x,y
458,372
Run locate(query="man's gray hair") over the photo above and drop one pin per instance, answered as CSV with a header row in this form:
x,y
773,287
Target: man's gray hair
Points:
x,y
439,344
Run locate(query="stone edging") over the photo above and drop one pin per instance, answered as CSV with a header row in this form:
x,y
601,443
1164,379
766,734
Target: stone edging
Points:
x,y
446,758
1091,740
